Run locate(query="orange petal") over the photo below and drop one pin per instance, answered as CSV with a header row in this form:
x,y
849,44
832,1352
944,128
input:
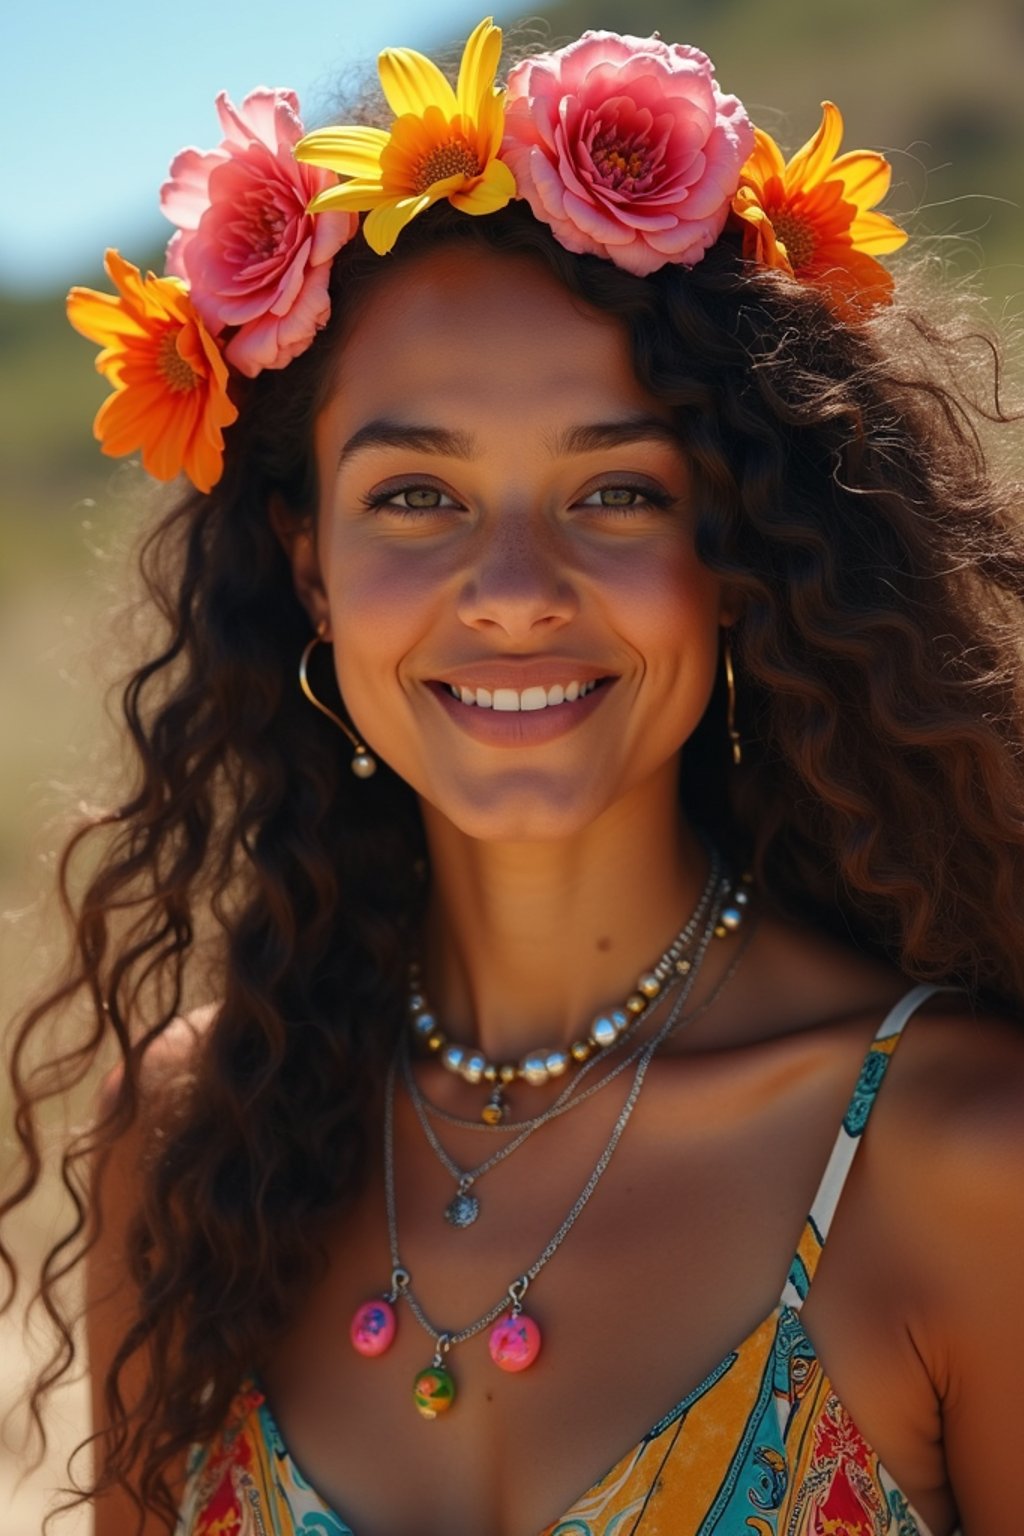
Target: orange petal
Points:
x,y
102,317
129,419
765,160
810,163
165,452
759,241
855,284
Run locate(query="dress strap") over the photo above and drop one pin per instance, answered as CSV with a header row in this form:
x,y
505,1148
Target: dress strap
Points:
x,y
872,1075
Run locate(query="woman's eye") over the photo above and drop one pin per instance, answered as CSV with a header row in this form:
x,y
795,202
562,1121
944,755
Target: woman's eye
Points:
x,y
625,498
411,499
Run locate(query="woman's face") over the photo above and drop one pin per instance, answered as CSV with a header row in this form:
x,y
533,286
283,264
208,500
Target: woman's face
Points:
x,y
506,522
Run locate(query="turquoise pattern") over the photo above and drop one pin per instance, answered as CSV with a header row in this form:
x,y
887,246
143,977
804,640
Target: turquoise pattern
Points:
x,y
762,1447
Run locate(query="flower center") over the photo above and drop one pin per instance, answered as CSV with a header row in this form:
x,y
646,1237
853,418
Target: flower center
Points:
x,y
180,377
452,157
619,162
265,232
797,235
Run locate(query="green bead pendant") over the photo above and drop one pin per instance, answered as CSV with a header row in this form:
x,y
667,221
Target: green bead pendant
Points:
x,y
433,1391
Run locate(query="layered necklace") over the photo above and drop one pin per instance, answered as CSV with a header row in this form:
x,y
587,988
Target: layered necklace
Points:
x,y
514,1341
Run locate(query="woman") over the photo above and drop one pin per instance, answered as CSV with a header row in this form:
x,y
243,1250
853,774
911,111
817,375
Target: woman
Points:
x,y
646,876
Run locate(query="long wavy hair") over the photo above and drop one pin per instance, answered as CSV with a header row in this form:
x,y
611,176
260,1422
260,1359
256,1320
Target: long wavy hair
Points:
x,y
842,489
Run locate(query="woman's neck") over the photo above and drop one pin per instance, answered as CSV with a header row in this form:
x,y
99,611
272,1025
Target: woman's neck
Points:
x,y
525,942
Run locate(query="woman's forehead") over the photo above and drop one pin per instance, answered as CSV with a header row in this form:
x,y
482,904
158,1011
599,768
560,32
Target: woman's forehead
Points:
x,y
455,334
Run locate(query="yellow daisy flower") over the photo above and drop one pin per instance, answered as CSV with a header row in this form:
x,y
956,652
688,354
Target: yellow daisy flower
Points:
x,y
443,143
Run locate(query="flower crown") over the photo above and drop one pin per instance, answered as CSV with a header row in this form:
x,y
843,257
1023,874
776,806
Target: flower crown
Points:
x,y
625,146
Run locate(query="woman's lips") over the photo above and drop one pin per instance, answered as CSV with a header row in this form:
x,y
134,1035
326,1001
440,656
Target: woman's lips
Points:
x,y
520,727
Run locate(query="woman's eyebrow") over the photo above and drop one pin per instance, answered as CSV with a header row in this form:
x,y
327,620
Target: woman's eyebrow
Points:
x,y
614,434
585,438
383,433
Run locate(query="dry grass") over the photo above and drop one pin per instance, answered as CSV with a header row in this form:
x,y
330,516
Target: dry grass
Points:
x,y
57,661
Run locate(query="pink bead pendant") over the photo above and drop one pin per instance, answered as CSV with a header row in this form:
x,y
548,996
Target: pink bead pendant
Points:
x,y
514,1342
373,1327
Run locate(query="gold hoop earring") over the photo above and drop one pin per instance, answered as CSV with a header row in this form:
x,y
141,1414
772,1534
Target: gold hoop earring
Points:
x,y
730,715
364,764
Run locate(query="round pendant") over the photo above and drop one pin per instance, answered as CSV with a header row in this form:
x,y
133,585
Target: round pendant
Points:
x,y
373,1327
433,1391
514,1342
462,1210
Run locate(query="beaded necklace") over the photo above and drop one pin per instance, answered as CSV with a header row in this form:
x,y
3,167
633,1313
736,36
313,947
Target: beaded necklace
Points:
x,y
515,1339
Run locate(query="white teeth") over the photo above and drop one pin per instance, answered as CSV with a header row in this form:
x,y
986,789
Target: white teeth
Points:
x,y
533,698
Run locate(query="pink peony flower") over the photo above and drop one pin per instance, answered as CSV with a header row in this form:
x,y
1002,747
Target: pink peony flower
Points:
x,y
626,147
252,256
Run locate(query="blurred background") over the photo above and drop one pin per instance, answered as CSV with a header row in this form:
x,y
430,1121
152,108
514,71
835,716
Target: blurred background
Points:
x,y
102,100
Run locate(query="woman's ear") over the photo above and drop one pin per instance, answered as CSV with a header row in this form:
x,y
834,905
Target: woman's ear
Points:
x,y
730,608
297,537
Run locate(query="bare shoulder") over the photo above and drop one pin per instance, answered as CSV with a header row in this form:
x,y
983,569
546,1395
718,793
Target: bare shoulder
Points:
x,y
951,1143
166,1064
960,1087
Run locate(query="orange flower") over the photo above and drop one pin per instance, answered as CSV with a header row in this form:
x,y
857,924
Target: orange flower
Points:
x,y
812,217
170,382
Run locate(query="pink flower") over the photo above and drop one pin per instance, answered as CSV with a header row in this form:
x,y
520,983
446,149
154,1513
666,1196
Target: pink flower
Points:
x,y
626,147
252,256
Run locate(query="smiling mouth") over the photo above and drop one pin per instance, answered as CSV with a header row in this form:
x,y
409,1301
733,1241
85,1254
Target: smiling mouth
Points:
x,y
514,700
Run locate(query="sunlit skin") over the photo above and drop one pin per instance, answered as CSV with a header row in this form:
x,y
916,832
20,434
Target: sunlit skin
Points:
x,y
483,551
539,530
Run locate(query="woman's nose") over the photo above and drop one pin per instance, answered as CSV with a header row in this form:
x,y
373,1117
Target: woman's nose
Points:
x,y
519,583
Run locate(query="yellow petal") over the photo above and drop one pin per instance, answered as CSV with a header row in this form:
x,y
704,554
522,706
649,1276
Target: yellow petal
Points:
x,y
413,83
495,188
480,59
809,165
383,226
876,235
865,176
351,151
351,197
490,124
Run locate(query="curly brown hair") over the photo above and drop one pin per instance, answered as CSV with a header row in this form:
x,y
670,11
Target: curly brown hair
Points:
x,y
842,490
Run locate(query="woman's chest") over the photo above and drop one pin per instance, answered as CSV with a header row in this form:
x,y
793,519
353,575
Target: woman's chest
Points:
x,y
677,1258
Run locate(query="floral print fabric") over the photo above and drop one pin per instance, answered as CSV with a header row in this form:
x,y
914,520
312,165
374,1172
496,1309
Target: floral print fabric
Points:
x,y
763,1447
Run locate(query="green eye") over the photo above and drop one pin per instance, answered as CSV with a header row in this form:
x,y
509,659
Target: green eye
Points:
x,y
423,497
626,498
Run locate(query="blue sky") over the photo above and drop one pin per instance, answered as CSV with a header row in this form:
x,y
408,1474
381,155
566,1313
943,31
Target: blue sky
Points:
x,y
102,96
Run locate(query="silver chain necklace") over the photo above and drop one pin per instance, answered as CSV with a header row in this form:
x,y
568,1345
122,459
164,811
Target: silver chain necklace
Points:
x,y
515,1341
463,1209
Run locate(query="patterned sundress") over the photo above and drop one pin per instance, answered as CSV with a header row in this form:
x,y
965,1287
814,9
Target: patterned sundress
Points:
x,y
762,1447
